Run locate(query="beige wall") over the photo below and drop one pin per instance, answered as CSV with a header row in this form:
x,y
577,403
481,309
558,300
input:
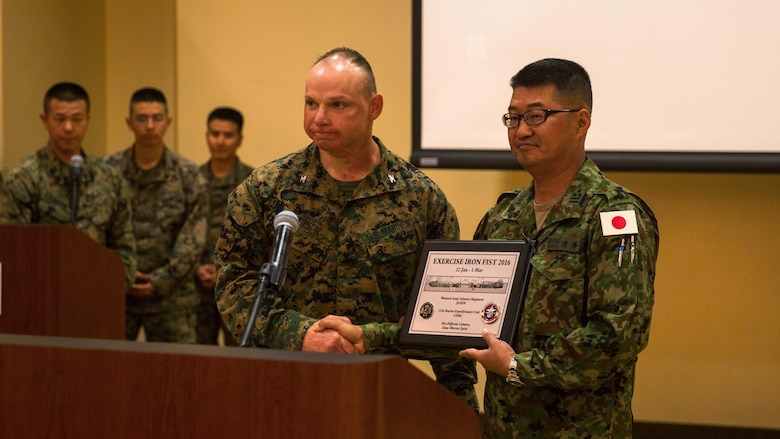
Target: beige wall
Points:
x,y
44,42
713,357
140,46
111,48
255,55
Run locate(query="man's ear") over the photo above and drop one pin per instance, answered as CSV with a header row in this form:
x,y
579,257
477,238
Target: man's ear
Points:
x,y
376,105
583,121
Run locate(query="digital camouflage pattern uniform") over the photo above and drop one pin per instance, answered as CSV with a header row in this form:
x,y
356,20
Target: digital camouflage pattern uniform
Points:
x,y
38,191
217,190
169,207
585,318
354,256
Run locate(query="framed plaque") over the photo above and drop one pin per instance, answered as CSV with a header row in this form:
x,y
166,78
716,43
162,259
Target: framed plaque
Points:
x,y
463,287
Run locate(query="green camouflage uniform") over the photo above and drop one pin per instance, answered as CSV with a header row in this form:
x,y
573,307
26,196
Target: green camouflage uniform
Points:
x,y
39,192
169,206
217,189
585,318
353,256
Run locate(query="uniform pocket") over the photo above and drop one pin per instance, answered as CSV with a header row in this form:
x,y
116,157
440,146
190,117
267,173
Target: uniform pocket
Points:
x,y
556,295
391,241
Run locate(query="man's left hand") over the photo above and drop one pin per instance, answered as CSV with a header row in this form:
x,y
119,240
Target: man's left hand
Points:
x,y
495,358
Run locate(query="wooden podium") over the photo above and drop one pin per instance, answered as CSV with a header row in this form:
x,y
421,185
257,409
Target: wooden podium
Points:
x,y
54,387
56,280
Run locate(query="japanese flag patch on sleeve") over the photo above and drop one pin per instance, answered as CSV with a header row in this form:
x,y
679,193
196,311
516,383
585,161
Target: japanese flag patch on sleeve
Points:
x,y
619,222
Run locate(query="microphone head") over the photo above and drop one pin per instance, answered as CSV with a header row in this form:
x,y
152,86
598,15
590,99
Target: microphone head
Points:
x,y
77,161
288,218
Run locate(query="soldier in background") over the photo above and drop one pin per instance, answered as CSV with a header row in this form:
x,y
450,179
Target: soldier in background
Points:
x,y
39,190
590,295
364,215
223,172
169,207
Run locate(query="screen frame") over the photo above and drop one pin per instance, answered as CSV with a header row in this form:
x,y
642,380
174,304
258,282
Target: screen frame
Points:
x,y
728,162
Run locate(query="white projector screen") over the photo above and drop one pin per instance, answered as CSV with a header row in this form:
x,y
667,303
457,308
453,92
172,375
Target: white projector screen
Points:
x,y
682,85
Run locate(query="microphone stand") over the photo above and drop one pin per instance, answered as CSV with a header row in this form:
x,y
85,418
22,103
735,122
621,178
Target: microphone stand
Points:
x,y
272,272
266,294
74,198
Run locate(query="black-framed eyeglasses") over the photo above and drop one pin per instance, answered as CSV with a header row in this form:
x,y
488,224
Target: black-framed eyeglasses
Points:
x,y
531,117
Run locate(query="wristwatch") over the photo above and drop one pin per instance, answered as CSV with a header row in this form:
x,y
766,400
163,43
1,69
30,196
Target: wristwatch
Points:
x,y
512,377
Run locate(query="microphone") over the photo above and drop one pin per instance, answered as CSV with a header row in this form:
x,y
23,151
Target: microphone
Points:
x,y
273,272
285,225
76,162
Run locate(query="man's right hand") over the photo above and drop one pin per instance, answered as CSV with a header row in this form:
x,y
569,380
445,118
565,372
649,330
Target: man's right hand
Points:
x,y
143,286
327,340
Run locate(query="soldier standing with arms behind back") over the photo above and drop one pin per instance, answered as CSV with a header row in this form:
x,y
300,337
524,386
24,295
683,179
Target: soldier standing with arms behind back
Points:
x,y
169,206
223,172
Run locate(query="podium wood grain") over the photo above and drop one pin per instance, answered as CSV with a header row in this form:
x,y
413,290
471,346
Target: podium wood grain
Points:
x,y
78,388
56,280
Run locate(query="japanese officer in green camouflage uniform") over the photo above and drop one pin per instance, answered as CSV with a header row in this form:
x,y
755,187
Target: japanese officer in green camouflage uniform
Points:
x,y
38,191
587,311
364,214
169,208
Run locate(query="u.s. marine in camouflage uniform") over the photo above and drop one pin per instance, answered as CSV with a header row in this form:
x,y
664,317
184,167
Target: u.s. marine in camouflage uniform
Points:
x,y
359,241
38,191
222,173
589,302
352,256
169,208
217,191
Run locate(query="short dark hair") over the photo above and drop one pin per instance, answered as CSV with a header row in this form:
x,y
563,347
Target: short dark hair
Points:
x,y
65,91
227,113
148,94
353,57
569,78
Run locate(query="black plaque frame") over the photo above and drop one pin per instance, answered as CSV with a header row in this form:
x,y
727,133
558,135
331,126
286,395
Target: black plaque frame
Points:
x,y
468,251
